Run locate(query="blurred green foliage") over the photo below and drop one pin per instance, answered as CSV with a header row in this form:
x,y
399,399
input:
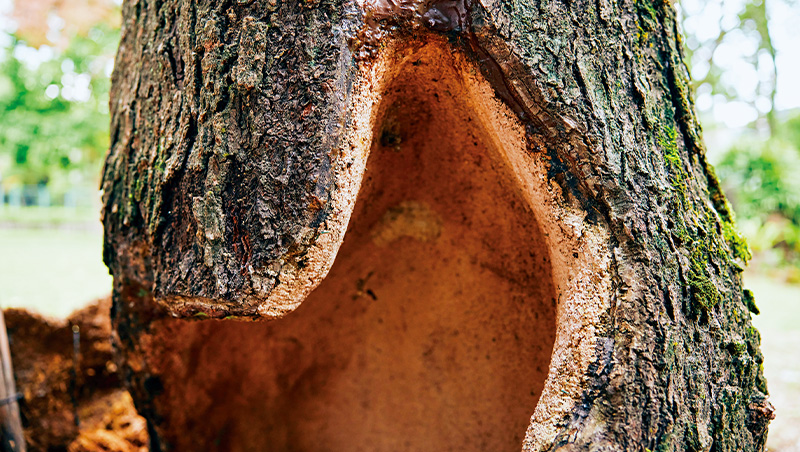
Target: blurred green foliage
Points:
x,y
762,181
54,110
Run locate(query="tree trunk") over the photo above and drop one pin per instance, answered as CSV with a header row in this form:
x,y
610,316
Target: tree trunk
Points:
x,y
537,253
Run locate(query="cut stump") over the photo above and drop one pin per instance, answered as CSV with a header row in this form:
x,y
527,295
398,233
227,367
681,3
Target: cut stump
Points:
x,y
421,226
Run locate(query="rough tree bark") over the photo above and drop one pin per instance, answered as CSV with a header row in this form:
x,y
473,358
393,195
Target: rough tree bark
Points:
x,y
538,254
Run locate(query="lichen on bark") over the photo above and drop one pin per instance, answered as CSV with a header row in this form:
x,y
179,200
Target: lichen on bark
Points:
x,y
616,68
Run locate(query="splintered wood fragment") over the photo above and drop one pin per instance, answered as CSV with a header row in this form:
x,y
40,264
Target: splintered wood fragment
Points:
x,y
10,422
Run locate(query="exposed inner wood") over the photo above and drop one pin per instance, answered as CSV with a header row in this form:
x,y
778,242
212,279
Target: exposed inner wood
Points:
x,y
432,331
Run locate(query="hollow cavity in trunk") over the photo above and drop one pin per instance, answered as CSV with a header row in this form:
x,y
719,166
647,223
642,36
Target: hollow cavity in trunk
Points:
x,y
433,329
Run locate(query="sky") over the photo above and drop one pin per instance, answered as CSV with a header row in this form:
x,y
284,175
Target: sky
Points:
x,y
786,35
705,18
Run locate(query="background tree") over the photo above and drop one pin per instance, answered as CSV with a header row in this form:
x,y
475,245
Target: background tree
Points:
x,y
734,62
54,96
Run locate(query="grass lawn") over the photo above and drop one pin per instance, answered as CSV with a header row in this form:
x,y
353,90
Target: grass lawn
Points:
x,y
36,217
51,271
779,324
